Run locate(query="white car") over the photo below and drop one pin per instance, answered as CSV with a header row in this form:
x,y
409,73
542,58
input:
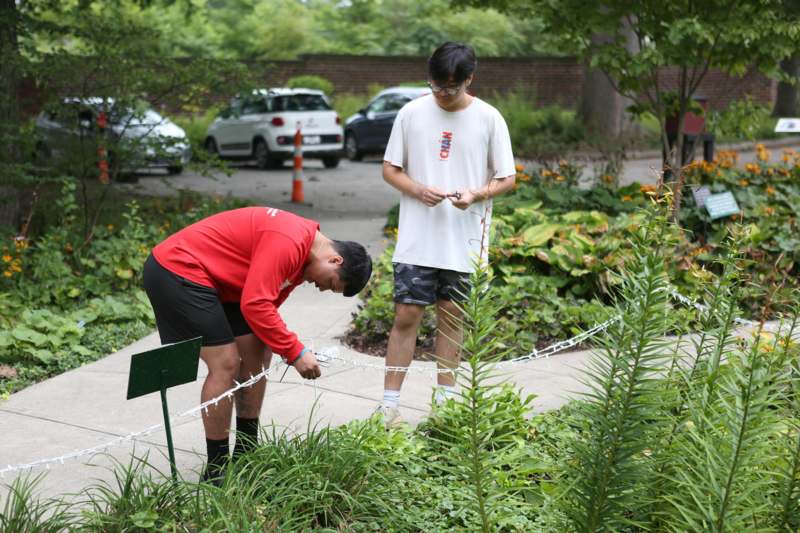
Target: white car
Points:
x,y
68,134
262,127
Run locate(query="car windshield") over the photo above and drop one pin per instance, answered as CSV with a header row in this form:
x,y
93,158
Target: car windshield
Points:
x,y
300,102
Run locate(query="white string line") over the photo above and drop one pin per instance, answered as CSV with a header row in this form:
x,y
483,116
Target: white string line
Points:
x,y
701,307
325,357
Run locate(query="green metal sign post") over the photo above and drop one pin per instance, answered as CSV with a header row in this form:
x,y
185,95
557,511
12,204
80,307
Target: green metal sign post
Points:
x,y
160,369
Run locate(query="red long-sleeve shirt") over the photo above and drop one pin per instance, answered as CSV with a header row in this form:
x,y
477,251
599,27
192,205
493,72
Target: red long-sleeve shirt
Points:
x,y
254,256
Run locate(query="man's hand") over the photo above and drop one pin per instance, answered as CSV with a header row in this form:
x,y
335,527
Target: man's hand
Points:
x,y
463,199
430,196
308,366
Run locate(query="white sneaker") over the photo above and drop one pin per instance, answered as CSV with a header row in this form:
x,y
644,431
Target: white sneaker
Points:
x,y
391,416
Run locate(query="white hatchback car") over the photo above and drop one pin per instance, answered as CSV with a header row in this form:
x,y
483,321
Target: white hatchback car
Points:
x,y
262,126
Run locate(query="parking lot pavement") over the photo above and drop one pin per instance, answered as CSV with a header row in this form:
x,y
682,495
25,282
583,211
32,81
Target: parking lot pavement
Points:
x,y
353,189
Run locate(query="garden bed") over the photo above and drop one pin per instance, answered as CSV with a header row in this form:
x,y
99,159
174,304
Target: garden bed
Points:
x,y
556,249
68,296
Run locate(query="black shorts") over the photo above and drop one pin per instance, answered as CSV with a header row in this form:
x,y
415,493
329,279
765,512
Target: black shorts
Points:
x,y
185,309
421,285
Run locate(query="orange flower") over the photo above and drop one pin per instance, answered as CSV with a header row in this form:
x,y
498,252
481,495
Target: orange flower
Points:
x,y
769,211
559,177
647,188
7,274
607,178
110,227
743,182
519,167
627,198
753,168
546,173
6,258
770,190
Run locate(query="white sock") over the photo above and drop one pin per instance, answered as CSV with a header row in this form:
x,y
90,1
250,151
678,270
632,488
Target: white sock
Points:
x,y
444,392
391,398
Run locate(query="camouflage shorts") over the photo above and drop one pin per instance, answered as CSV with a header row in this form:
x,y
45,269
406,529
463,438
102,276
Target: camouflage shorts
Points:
x,y
424,285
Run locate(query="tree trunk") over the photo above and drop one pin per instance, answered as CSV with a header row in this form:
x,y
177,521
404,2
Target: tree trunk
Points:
x,y
9,113
602,108
786,99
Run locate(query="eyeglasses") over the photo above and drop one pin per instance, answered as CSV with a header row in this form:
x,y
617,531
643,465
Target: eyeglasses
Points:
x,y
452,91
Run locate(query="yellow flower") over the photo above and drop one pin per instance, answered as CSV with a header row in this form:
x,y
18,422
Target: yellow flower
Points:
x,y
7,274
559,177
646,189
6,258
546,173
16,268
607,178
770,190
753,168
110,227
627,198
744,182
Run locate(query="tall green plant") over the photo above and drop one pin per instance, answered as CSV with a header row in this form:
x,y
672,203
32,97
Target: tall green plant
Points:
x,y
476,441
622,406
721,460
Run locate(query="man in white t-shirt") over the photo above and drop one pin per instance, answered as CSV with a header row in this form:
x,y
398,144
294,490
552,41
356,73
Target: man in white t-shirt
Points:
x,y
449,153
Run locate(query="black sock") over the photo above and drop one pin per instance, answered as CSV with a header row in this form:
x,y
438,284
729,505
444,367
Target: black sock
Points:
x,y
217,458
246,435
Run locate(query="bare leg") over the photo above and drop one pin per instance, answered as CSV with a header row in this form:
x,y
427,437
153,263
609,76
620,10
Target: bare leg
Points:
x,y
402,340
223,367
449,334
255,356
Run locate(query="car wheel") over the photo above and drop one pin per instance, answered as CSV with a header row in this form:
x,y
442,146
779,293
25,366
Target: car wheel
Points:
x,y
351,147
174,170
330,162
262,156
211,146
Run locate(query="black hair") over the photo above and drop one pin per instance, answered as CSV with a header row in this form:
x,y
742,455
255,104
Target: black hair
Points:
x,y
452,62
356,268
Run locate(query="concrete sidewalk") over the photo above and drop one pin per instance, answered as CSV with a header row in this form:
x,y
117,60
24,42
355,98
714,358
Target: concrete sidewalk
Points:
x,y
86,407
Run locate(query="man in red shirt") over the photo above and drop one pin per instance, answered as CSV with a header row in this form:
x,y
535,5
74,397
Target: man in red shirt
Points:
x,y
223,278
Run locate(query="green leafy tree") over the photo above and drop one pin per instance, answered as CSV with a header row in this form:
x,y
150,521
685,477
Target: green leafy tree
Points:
x,y
681,40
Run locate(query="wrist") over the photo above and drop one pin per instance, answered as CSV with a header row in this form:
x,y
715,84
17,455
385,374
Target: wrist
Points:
x,y
302,352
480,194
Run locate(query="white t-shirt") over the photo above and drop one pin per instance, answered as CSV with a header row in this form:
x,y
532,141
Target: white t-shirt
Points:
x,y
452,151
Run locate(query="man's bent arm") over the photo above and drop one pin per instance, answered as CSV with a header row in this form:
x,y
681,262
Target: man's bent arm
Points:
x,y
495,187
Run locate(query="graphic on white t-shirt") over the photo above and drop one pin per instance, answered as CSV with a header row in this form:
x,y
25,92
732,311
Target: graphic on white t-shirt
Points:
x,y
446,143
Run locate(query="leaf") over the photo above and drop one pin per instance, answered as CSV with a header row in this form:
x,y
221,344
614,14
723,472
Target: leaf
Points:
x,y
124,273
26,334
539,234
45,356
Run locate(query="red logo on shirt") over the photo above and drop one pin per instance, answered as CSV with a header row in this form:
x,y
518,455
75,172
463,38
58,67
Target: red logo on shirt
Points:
x,y
447,141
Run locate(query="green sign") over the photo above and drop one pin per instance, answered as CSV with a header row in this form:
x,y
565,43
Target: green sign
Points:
x,y
721,205
168,366
159,369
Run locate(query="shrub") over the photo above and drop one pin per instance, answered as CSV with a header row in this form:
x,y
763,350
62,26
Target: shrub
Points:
x,y
311,82
537,132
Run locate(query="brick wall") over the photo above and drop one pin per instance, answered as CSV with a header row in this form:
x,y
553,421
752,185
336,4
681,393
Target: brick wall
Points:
x,y
554,80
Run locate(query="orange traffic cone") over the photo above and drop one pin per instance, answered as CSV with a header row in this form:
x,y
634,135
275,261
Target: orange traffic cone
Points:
x,y
297,179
